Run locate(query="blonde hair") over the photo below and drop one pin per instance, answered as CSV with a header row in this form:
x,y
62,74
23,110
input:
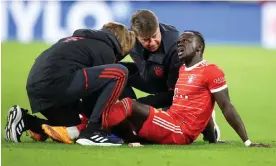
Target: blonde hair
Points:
x,y
125,37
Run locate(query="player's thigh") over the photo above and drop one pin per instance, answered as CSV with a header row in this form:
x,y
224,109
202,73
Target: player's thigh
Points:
x,y
161,128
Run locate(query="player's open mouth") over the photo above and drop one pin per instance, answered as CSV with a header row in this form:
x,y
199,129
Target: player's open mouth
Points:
x,y
180,52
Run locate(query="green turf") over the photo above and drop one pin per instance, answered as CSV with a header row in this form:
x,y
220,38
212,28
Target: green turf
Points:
x,y
250,73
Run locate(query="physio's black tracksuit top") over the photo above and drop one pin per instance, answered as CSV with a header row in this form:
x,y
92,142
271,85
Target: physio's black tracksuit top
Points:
x,y
159,67
54,68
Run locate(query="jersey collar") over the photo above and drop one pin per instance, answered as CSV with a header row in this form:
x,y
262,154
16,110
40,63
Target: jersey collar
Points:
x,y
194,66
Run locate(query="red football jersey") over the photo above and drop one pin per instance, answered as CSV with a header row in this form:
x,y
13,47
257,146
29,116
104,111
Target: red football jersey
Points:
x,y
193,102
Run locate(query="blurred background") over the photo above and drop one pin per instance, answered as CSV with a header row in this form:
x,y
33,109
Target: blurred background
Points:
x,y
225,22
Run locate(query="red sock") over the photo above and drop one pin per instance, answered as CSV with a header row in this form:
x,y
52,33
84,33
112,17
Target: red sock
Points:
x,y
81,127
83,118
117,113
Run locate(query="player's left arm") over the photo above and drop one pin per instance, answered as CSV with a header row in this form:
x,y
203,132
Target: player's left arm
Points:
x,y
218,87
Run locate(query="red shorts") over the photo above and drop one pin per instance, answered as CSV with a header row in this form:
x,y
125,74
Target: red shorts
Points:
x,y
162,128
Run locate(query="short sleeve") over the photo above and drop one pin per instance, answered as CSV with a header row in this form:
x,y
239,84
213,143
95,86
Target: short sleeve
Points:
x,y
215,79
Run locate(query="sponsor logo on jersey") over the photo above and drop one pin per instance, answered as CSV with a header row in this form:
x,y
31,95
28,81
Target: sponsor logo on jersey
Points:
x,y
219,80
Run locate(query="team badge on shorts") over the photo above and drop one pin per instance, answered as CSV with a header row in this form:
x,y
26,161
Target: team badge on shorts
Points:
x,y
191,78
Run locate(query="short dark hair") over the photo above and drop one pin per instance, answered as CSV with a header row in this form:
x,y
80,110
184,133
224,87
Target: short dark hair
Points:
x,y
199,36
144,22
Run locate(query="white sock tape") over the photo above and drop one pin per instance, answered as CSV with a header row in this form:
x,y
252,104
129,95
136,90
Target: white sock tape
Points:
x,y
247,143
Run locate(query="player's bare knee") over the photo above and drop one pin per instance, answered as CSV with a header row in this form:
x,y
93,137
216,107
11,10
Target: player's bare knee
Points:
x,y
140,110
140,114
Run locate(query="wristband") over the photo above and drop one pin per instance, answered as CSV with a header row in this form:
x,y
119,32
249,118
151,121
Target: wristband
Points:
x,y
247,143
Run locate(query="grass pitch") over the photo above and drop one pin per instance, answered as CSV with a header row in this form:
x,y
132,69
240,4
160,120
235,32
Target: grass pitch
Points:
x,y
251,78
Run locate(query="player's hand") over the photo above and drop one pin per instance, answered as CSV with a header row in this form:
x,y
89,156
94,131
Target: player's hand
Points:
x,y
135,144
259,145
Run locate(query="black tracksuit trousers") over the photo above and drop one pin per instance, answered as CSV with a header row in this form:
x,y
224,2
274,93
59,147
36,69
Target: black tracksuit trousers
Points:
x,y
92,92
